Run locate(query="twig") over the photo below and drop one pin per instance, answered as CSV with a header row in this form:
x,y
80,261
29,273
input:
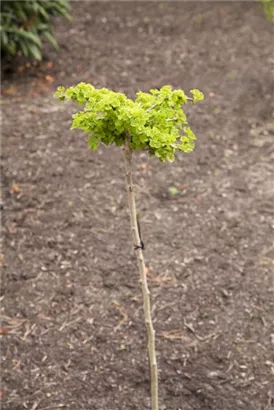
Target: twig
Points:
x,y
57,406
36,404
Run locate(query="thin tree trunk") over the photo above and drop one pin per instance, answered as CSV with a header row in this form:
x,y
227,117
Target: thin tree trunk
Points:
x,y
142,271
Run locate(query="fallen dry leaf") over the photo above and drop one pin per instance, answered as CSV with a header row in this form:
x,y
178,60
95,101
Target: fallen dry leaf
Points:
x,y
20,69
148,271
15,188
9,91
49,79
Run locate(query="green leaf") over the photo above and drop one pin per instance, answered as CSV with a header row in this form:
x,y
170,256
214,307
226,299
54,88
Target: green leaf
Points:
x,y
20,12
50,38
268,6
173,191
197,95
43,12
93,143
190,134
34,51
11,47
4,38
27,35
24,49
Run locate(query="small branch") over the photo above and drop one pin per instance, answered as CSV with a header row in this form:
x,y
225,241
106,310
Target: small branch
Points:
x,y
152,106
57,406
142,271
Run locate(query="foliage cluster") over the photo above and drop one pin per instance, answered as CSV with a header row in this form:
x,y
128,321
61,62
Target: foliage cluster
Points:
x,y
268,6
23,23
155,121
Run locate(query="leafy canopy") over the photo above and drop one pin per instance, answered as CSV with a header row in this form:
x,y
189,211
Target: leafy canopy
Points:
x,y
155,121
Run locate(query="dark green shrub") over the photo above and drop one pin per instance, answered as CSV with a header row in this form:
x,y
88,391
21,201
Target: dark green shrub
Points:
x,y
24,23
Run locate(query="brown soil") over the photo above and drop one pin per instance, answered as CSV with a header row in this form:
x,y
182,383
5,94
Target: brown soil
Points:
x,y
72,331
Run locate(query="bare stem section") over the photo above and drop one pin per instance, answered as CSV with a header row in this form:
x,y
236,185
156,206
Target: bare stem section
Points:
x,y
142,271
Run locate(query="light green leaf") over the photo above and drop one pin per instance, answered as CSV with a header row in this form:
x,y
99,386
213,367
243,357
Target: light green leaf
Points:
x,y
93,143
173,191
197,95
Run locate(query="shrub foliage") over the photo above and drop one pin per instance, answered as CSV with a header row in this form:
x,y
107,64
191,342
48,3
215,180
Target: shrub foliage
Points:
x,y
24,23
155,121
268,6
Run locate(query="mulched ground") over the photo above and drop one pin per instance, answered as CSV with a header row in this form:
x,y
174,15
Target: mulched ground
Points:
x,y
72,331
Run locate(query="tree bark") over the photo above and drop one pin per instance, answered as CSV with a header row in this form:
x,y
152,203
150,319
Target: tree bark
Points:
x,y
143,277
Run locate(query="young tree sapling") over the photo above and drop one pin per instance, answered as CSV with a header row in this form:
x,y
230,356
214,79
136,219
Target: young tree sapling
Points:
x,y
154,122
